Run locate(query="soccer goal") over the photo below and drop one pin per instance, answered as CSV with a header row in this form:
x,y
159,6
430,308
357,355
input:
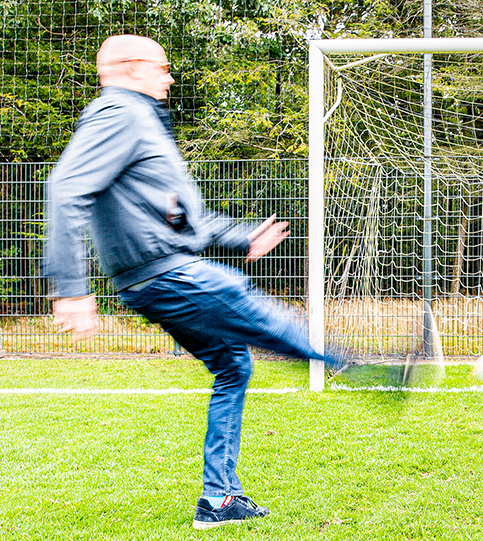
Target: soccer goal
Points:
x,y
396,197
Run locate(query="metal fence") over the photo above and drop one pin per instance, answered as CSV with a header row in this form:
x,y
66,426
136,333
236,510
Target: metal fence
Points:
x,y
248,190
251,190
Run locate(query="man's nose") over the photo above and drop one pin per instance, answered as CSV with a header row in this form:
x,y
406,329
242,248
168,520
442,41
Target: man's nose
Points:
x,y
167,78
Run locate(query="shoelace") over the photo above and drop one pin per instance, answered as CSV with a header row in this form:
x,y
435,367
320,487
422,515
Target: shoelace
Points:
x,y
248,501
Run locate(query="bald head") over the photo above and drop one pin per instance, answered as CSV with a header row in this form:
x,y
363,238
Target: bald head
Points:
x,y
136,63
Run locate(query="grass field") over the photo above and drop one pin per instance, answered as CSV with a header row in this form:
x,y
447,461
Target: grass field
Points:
x,y
337,465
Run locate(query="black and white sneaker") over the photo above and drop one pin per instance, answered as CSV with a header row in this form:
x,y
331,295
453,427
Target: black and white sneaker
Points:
x,y
240,508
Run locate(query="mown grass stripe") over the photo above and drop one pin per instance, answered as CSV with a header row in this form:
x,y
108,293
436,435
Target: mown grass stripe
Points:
x,y
383,388
135,391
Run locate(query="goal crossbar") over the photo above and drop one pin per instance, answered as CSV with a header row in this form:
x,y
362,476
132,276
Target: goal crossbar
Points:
x,y
400,45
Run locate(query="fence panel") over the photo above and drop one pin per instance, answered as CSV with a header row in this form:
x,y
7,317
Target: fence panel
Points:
x,y
252,190
248,190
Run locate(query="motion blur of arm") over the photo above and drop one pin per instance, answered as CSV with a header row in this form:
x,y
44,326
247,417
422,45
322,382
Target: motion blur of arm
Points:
x,y
265,237
78,314
104,145
91,162
253,243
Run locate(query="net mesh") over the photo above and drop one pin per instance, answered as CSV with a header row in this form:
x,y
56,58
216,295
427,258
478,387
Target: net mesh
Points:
x,y
375,170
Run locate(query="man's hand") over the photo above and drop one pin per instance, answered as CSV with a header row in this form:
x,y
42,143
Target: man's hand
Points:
x,y
78,314
265,237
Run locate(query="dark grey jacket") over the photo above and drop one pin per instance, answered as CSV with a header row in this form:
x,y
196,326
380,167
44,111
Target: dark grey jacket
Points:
x,y
121,175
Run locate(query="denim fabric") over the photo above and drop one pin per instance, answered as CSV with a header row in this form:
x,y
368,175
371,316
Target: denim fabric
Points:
x,y
210,312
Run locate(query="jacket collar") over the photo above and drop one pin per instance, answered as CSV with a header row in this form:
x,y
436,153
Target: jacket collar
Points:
x,y
160,107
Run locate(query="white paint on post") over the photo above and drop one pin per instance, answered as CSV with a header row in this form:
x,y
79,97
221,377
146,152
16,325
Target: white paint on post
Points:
x,y
316,213
428,338
399,45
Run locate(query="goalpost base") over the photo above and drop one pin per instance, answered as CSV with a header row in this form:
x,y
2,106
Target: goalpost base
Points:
x,y
317,375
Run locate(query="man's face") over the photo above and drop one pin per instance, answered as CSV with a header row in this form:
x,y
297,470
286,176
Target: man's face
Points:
x,y
152,71
135,63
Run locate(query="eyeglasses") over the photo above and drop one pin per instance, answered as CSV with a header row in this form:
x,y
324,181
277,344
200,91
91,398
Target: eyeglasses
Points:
x,y
163,66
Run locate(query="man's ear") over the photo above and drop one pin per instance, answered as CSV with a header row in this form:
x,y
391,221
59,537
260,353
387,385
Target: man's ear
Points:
x,y
135,69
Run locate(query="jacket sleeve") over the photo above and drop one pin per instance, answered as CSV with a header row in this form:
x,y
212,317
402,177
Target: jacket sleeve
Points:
x,y
102,146
222,230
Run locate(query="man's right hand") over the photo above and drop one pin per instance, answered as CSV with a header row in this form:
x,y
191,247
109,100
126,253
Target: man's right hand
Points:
x,y
265,237
78,314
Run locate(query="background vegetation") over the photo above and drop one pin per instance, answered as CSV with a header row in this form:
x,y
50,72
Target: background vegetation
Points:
x,y
240,65
241,70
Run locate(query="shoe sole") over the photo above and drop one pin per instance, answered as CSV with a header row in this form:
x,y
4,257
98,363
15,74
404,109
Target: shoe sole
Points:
x,y
200,525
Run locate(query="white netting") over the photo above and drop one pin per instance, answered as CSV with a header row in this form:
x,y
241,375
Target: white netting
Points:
x,y
375,204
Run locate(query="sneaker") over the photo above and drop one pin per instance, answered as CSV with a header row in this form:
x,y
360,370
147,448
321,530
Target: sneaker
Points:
x,y
240,508
337,360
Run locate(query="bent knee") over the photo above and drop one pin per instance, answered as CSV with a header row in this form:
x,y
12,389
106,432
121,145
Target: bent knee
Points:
x,y
237,373
244,372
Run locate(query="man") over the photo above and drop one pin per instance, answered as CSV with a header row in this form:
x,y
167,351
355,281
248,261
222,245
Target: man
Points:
x,y
121,174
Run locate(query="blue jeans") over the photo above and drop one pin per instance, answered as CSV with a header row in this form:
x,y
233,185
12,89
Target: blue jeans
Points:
x,y
210,312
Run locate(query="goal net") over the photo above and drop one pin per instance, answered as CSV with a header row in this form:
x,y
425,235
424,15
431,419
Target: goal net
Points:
x,y
397,165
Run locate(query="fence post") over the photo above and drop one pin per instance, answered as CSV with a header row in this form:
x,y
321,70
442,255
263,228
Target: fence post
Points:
x,y
177,349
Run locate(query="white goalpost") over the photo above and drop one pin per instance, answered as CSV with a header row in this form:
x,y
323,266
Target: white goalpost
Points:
x,y
395,197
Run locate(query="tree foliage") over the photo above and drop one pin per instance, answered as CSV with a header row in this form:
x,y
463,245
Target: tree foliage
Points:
x,y
240,65
241,71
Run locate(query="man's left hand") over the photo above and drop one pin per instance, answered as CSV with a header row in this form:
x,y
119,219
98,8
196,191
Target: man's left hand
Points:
x,y
78,314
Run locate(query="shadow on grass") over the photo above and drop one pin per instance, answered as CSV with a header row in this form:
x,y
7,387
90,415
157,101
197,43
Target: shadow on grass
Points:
x,y
387,385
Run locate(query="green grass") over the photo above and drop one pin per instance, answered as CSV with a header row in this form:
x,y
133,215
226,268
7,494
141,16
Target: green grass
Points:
x,y
104,372
337,465
421,376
